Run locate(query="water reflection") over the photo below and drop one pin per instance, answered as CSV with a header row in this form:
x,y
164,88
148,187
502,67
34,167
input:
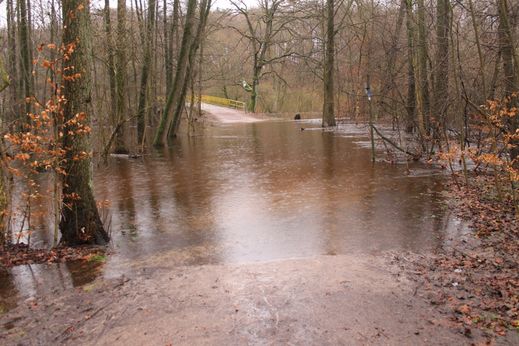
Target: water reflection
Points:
x,y
267,190
22,282
259,191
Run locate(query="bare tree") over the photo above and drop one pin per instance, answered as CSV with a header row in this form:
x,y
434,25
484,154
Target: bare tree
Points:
x,y
264,28
170,120
146,66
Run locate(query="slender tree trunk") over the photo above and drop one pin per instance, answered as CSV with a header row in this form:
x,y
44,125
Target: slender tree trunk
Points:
x,y
80,221
110,60
388,84
204,7
11,62
166,40
171,41
174,96
411,80
480,52
25,54
422,56
4,171
121,76
441,79
255,84
146,65
328,103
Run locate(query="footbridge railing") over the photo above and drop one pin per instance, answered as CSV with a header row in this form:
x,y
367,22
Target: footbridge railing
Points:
x,y
220,101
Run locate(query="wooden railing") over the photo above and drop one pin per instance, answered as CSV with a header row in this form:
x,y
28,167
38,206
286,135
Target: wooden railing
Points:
x,y
220,101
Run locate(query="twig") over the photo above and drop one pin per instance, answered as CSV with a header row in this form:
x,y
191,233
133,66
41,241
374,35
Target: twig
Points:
x,y
114,133
396,146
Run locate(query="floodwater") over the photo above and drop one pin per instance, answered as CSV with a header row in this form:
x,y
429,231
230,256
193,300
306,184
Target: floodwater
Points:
x,y
252,192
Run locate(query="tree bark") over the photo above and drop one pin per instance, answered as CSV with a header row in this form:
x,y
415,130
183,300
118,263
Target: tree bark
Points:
x,y
423,98
146,66
411,79
441,79
328,102
80,221
175,94
110,60
121,75
25,54
511,74
204,7
11,62
171,40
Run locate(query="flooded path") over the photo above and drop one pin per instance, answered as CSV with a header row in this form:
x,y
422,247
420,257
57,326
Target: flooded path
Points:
x,y
264,200
227,115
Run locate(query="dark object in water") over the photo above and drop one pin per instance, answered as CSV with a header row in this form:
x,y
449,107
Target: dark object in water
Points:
x,y
297,117
302,128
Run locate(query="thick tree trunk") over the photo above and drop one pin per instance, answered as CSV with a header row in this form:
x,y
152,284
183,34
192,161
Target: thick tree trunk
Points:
x,y
328,102
80,221
146,66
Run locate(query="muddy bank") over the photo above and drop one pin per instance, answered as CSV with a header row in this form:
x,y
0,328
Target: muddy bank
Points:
x,y
321,300
476,279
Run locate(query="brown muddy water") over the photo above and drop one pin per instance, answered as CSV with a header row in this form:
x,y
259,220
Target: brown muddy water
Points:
x,y
251,192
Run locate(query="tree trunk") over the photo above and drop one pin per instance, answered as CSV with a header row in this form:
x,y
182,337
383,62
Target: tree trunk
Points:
x,y
12,70
110,60
25,54
411,80
441,79
171,40
204,6
254,92
120,146
388,83
328,102
174,96
511,73
423,97
80,221
480,52
146,65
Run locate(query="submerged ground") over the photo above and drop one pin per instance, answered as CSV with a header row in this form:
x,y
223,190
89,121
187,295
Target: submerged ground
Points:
x,y
249,232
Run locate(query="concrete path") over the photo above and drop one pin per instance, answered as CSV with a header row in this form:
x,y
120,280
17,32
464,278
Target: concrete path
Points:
x,y
227,115
324,300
